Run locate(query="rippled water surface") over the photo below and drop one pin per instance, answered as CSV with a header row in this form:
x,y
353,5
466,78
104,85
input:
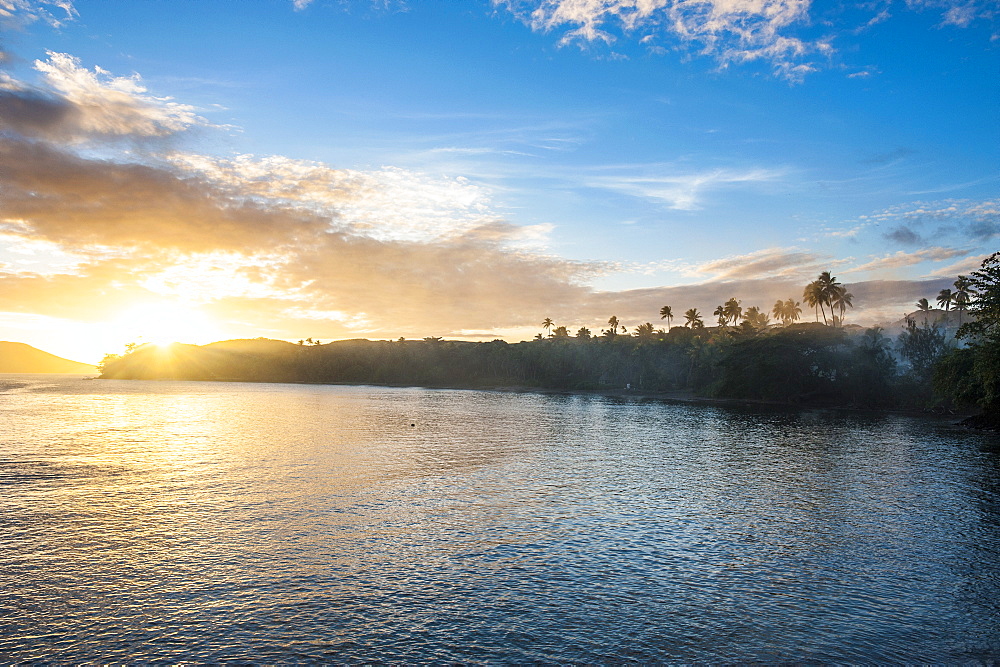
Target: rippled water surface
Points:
x,y
206,521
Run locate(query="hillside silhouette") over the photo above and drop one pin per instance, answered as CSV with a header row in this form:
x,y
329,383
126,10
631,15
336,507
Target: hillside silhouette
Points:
x,y
23,358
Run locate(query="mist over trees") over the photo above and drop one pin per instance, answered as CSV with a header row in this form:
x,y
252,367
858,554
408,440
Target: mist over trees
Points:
x,y
747,356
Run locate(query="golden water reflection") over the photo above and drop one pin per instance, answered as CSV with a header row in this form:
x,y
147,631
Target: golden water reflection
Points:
x,y
173,520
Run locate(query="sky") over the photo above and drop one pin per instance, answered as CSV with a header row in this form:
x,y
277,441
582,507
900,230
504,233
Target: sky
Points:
x,y
333,169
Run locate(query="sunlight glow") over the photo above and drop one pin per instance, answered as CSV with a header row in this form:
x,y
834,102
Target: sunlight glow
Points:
x,y
165,322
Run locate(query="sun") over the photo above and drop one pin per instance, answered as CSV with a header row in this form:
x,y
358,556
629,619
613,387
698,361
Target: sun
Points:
x,y
165,322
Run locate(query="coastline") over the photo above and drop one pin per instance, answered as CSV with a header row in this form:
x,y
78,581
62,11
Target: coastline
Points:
x,y
969,420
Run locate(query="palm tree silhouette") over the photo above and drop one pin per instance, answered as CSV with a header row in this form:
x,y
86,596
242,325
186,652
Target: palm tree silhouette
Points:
x,y
692,318
945,299
829,289
645,330
667,313
733,310
754,318
778,310
547,323
813,296
792,310
923,305
842,299
720,313
961,296
613,323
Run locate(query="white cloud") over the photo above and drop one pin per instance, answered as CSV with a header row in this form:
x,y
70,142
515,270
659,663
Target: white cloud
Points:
x,y
386,204
107,105
730,31
23,12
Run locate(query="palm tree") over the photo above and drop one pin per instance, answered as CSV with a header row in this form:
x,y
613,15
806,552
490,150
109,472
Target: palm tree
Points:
x,y
692,318
923,305
560,332
755,318
813,296
613,322
733,310
961,296
842,299
667,313
720,312
778,310
829,288
547,323
945,299
583,333
787,311
793,310
822,292
644,330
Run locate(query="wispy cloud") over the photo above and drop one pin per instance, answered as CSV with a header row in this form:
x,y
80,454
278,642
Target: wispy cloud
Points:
x,y
903,259
960,13
19,13
770,263
680,191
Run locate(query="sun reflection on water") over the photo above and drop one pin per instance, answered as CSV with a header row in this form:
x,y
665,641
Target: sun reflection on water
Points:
x,y
266,523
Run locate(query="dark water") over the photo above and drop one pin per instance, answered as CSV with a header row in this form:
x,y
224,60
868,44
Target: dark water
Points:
x,y
203,521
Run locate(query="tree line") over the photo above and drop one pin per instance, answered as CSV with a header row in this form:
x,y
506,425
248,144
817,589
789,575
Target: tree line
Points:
x,y
826,292
818,363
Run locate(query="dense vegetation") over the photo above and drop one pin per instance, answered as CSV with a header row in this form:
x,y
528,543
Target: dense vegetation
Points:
x,y
971,374
801,363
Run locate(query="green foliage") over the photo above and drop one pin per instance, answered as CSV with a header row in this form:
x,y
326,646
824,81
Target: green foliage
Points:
x,y
755,319
972,375
921,347
984,287
954,377
872,373
795,364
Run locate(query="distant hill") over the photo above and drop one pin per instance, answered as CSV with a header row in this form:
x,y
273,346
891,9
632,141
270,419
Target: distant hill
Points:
x,y
22,358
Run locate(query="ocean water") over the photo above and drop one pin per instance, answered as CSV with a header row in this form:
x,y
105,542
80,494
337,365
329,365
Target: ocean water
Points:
x,y
170,521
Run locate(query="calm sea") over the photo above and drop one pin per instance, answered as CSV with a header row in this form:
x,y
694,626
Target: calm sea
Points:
x,y
169,521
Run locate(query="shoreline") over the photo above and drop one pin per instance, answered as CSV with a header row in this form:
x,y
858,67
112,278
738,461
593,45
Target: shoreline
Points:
x,y
965,419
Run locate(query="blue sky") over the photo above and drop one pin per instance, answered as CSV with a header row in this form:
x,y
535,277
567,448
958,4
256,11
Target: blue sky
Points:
x,y
351,168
